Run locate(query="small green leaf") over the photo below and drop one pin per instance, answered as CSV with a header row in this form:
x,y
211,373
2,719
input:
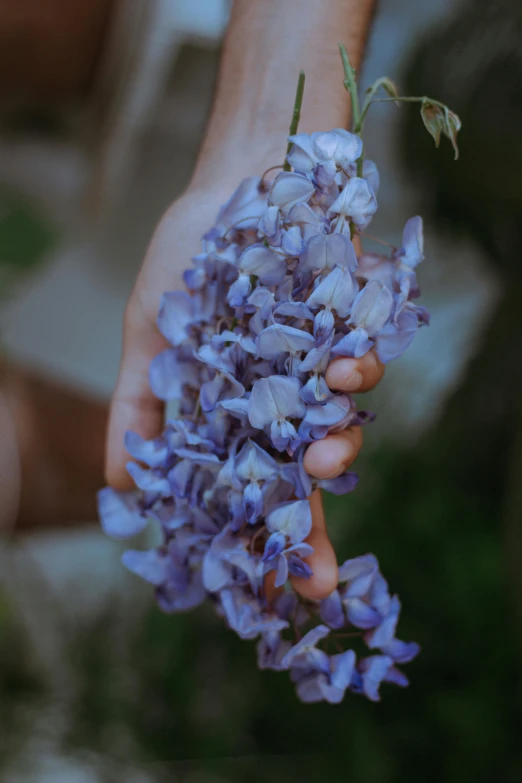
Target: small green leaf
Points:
x,y
433,119
452,127
439,119
386,84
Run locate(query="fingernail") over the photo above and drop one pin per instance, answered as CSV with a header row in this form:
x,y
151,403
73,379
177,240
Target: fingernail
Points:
x,y
343,374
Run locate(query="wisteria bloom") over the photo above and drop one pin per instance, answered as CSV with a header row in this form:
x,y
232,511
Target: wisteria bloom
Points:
x,y
276,292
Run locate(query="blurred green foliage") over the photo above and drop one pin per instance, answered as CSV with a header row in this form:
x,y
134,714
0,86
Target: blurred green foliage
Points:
x,y
26,237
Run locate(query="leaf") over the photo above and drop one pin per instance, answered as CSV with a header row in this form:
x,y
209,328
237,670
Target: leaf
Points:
x,y
453,125
439,119
434,120
386,84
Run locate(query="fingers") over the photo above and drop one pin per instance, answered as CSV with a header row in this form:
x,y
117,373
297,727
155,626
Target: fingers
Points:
x,y
355,375
133,405
322,561
328,458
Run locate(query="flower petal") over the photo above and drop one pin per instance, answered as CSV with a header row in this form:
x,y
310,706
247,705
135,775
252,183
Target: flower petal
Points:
x,y
356,202
293,519
175,314
274,398
290,188
152,566
372,308
119,514
336,291
168,376
255,464
279,338
325,251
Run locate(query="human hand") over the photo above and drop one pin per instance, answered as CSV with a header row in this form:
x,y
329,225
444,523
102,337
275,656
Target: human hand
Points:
x,y
135,408
266,43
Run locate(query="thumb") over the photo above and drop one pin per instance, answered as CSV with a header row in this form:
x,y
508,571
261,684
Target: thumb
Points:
x,y
322,561
133,405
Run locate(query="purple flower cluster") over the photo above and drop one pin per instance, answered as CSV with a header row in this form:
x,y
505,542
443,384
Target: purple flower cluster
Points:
x,y
275,294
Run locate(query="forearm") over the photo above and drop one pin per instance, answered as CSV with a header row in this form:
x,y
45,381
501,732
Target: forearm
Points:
x,y
268,41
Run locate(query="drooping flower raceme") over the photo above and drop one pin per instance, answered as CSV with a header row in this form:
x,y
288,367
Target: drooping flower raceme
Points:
x,y
275,294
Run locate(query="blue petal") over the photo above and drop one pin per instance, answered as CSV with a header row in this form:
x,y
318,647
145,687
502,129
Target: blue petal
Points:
x,y
309,689
180,477
306,644
294,310
255,464
271,650
401,652
175,314
372,308
385,632
315,390
336,291
331,610
318,358
171,598
393,340
308,221
259,260
340,485
239,291
342,667
148,480
281,571
244,207
152,566
273,547
216,573
252,502
412,251
237,406
360,614
374,671
325,251
298,567
284,436
354,344
340,145
396,677
293,519
302,549
152,452
359,573
292,241
278,338
329,414
302,156
371,174
356,202
274,399
120,516
167,375
288,189
270,222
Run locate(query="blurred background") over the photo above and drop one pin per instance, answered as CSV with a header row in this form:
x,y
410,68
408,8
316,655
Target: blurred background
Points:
x,y
102,109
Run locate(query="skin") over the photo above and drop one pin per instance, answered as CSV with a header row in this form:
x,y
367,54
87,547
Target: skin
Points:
x,y
267,42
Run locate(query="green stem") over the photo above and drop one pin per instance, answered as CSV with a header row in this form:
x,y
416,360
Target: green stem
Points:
x,y
401,99
296,115
350,84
